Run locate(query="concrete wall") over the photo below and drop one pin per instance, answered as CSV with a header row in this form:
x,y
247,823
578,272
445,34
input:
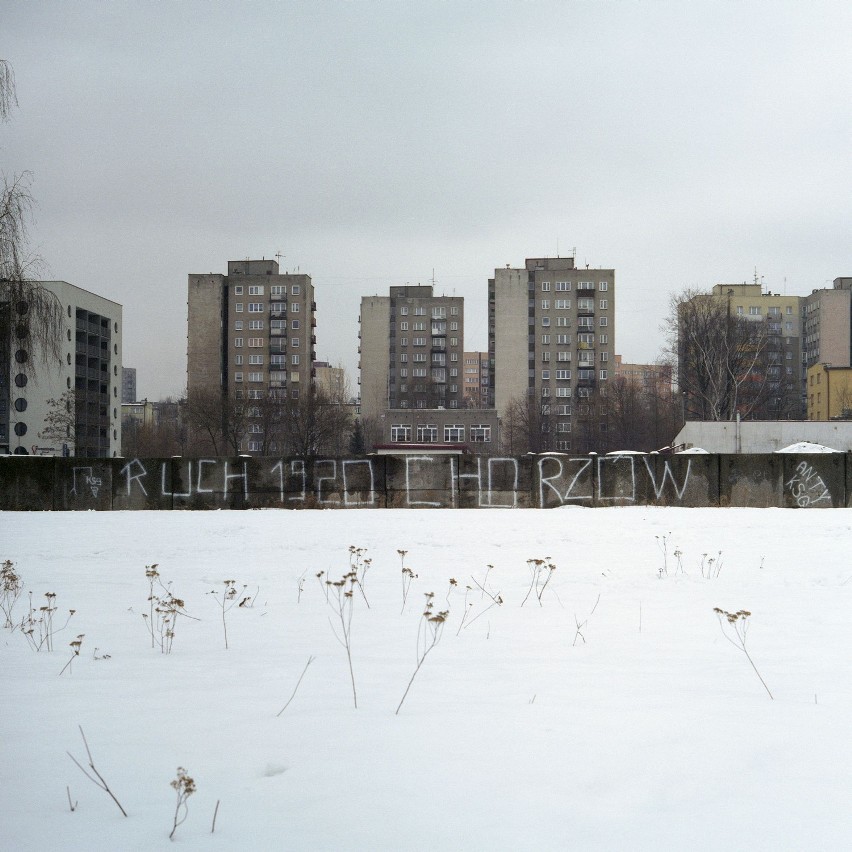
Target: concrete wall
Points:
x,y
426,481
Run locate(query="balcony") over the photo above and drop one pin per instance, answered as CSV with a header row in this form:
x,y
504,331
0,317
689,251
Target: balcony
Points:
x,y
585,289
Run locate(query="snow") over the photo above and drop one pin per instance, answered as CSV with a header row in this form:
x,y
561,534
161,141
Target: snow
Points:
x,y
645,730
806,447
693,451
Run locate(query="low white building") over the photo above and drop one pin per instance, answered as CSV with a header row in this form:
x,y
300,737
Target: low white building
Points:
x,y
764,436
89,364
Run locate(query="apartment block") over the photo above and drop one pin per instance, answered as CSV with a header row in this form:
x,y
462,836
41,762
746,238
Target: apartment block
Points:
x,y
89,365
656,378
476,374
827,320
251,334
128,385
411,344
551,341
829,392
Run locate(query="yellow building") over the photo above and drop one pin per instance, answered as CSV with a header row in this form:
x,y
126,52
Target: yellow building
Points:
x,y
829,392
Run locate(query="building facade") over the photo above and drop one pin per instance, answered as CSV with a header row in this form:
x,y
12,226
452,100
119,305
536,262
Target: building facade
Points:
x,y
410,350
251,335
829,392
88,371
656,378
128,385
551,341
827,320
476,376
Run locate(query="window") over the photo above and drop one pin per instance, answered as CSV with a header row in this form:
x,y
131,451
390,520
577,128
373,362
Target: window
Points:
x,y
277,290
563,286
604,356
403,341
604,321
238,377
563,392
238,325
255,359
545,339
545,321
238,307
789,310
586,322
400,432
545,357
295,325
563,322
419,311
563,426
418,341
564,410
545,286
238,360
563,356
603,285
585,304
403,359
296,289
480,434
453,434
256,307
403,373
295,342
774,311
545,375
403,311
454,326
256,290
454,312
563,339
454,356
454,341
439,312
418,372
277,360
403,326
562,375
739,310
238,342
295,307
238,290
255,428
604,339
603,375
562,304
545,304
545,391
255,377
278,308
255,394
255,325
418,357
255,342
603,304
427,434
788,326
754,311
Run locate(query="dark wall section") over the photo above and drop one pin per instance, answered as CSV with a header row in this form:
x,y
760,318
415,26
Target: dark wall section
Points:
x,y
426,481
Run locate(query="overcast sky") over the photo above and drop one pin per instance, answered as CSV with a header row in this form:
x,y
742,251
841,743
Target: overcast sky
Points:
x,y
681,143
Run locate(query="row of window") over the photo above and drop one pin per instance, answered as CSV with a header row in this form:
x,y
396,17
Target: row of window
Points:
x,y
274,290
438,312
436,327
274,360
582,304
260,342
565,286
428,434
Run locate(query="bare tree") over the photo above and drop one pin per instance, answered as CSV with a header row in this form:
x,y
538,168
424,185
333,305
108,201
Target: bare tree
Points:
x,y
36,322
721,359
313,424
218,419
60,422
527,425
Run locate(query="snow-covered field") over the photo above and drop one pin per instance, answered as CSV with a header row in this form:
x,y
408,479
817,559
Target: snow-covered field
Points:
x,y
646,729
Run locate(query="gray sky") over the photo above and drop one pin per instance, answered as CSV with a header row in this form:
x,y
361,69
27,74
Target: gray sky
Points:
x,y
683,143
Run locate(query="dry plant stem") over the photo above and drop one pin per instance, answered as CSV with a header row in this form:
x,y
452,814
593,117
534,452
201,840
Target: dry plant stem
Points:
x,y
215,811
98,779
579,633
434,623
72,805
184,786
343,608
298,682
739,626
75,646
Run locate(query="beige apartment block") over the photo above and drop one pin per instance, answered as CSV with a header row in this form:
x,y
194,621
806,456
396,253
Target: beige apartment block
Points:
x,y
827,316
251,333
476,381
650,377
551,335
410,351
829,392
89,365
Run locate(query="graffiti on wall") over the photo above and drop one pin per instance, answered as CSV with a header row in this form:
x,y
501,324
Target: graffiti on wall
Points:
x,y
807,487
84,479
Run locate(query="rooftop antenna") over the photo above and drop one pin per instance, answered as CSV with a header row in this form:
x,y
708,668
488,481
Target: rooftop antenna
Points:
x,y
557,246
278,256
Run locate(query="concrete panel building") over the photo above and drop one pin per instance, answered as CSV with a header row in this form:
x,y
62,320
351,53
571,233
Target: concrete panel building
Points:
x,y
829,392
476,379
251,334
410,346
827,319
89,365
551,337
